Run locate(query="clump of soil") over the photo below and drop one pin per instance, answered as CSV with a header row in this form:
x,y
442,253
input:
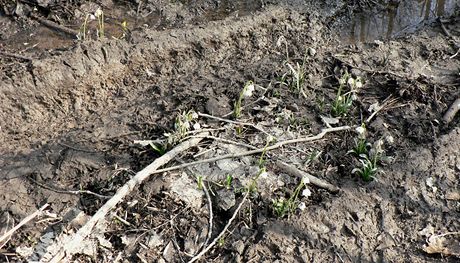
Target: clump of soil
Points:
x,y
72,110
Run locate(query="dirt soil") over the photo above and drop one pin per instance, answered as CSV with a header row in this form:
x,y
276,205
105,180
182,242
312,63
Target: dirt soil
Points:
x,y
72,109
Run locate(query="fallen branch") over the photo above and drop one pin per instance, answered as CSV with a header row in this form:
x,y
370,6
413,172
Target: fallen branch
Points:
x,y
233,122
12,55
23,222
256,151
453,109
74,245
195,258
55,26
301,174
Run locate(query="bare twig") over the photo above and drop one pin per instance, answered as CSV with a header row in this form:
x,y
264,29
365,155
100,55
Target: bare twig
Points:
x,y
23,222
195,258
208,237
12,55
371,70
386,103
74,245
313,179
70,192
122,220
452,111
55,26
456,53
227,141
233,122
256,151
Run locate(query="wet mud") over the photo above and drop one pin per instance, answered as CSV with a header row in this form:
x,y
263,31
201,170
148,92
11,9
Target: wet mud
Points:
x,y
73,108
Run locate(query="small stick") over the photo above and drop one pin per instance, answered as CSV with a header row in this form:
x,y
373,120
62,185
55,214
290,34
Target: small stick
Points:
x,y
313,179
233,122
7,54
55,26
256,151
454,55
208,237
74,245
195,258
453,109
23,222
386,102
226,141
70,192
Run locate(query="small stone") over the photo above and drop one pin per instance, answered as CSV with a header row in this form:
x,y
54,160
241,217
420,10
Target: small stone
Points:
x,y
238,246
453,196
226,199
168,252
154,240
261,219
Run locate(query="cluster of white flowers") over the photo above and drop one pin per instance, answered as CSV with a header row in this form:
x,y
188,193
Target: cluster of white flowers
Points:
x,y
357,83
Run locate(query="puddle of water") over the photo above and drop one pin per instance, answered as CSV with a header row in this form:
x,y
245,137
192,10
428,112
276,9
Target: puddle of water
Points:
x,y
394,18
44,38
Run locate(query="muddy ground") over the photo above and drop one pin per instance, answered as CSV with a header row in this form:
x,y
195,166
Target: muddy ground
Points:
x,y
71,110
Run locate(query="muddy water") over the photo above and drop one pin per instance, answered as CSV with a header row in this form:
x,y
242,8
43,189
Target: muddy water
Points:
x,y
394,18
390,18
44,38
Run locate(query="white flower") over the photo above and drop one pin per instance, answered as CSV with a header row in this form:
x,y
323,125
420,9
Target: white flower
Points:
x,y
270,138
390,139
306,192
302,206
196,126
429,181
305,180
351,81
194,115
186,125
248,90
361,130
98,12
